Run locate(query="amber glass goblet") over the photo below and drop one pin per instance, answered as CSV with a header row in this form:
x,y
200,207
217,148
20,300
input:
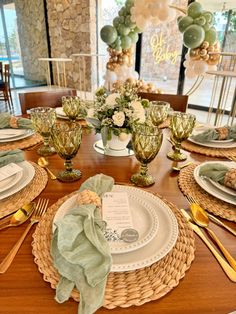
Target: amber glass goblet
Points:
x,y
158,112
146,143
43,119
181,125
67,139
72,107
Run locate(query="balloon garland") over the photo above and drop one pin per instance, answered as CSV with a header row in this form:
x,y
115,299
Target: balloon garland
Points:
x,y
199,36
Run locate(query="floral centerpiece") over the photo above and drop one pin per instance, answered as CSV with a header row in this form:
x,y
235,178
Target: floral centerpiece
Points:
x,y
114,113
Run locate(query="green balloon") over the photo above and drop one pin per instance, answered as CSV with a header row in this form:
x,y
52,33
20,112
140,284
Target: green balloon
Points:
x,y
209,17
108,34
200,20
122,19
206,27
194,9
128,22
123,30
137,30
134,37
122,11
184,22
211,36
126,42
193,36
116,22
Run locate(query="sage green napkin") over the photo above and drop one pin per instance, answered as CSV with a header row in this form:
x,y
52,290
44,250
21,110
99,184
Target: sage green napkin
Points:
x,y
8,156
216,172
80,251
22,123
212,134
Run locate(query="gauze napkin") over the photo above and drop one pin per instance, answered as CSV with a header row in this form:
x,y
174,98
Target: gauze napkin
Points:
x,y
80,251
219,173
8,156
222,133
8,121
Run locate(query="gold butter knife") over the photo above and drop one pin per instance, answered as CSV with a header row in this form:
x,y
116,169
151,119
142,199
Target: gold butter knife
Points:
x,y
225,266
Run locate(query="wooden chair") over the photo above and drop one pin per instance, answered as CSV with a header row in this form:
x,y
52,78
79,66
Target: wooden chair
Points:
x,y
177,102
5,90
43,99
1,71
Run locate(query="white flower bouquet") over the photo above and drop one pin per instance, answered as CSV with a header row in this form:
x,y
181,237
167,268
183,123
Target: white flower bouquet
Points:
x,y
116,112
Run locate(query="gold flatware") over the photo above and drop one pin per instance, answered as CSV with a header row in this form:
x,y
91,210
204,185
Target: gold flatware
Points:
x,y
42,162
38,213
18,217
220,223
201,219
176,168
230,157
225,266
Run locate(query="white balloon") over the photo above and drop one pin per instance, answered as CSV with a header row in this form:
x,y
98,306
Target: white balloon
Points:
x,y
172,15
135,75
200,67
111,76
186,63
189,73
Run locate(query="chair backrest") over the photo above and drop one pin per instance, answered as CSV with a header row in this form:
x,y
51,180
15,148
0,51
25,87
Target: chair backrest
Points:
x,y
177,102
1,71
7,74
43,99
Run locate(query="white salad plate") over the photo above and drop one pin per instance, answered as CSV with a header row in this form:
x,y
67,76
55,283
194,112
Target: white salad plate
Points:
x,y
24,133
61,114
99,148
9,133
27,176
10,181
152,244
214,189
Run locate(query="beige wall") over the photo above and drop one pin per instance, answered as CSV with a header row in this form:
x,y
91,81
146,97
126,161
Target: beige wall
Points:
x,y
32,37
72,29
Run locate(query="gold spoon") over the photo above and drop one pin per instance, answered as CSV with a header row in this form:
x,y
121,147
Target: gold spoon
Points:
x,y
181,167
20,216
42,162
201,219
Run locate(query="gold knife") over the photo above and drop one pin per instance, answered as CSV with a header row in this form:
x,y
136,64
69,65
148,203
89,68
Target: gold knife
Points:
x,y
226,267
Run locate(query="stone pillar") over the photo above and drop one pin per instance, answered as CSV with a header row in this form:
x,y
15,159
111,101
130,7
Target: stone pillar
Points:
x,y
32,36
72,29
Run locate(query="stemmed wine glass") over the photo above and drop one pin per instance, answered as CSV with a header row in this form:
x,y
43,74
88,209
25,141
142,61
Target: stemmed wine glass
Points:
x,y
67,139
146,142
43,119
158,112
71,106
181,125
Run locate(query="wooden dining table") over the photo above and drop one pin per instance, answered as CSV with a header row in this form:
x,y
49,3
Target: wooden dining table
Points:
x,y
204,289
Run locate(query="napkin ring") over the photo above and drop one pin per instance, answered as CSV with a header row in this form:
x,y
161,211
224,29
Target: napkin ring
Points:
x,y
13,122
230,179
222,133
88,197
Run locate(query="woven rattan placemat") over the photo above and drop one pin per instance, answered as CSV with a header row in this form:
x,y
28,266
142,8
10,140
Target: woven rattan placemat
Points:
x,y
22,144
208,151
189,186
126,288
27,194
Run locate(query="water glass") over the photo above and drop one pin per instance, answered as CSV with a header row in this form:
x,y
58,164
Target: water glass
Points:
x,y
72,106
158,112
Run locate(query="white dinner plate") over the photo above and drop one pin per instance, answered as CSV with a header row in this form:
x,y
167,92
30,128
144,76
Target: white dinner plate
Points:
x,y
144,218
61,114
215,144
10,181
223,188
27,133
209,187
27,177
10,133
162,241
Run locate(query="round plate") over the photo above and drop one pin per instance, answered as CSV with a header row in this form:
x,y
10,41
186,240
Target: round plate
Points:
x,y
11,181
144,218
222,141
206,185
98,146
6,134
216,144
61,114
27,177
27,133
223,188
162,242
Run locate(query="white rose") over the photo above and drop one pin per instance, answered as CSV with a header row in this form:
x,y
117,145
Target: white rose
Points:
x,y
138,111
111,100
119,118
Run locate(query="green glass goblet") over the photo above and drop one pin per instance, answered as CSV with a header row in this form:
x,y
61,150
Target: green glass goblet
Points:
x,y
66,139
43,119
71,106
146,143
158,112
181,125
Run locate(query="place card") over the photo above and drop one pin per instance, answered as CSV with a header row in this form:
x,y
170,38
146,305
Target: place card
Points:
x,y
9,170
116,211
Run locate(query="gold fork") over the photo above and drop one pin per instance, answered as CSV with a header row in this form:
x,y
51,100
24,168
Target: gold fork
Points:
x,y
38,213
229,156
200,217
